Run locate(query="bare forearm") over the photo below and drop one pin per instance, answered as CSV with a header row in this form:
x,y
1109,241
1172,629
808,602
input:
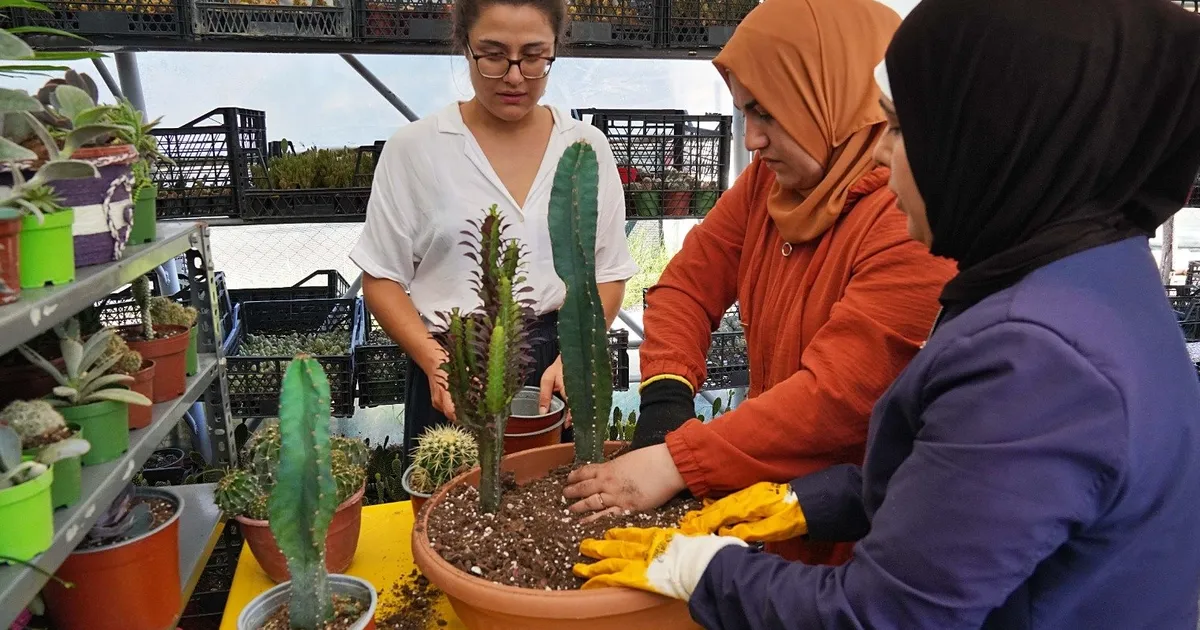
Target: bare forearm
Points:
x,y
398,317
612,294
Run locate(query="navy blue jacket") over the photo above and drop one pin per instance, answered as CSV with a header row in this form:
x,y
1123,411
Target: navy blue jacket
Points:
x,y
1037,465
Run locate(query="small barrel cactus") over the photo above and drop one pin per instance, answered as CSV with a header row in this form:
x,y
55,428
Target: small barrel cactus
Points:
x,y
304,498
164,310
237,491
36,422
130,361
442,452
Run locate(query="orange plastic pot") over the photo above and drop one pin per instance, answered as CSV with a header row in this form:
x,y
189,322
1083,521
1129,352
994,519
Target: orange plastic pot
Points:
x,y
526,428
133,585
169,352
340,542
484,605
143,383
677,203
10,257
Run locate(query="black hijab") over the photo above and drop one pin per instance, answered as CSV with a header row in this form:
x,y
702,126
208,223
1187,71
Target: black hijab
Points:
x,y
1040,128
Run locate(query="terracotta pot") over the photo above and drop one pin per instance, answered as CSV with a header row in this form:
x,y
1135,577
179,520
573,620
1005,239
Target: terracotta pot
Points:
x,y
677,203
169,352
27,381
417,499
340,543
484,605
133,585
10,257
143,383
527,428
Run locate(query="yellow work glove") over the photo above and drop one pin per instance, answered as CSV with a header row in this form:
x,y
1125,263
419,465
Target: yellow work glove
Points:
x,y
658,560
764,512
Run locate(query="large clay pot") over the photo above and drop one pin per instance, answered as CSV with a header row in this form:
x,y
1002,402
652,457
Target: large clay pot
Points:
x,y
132,585
484,605
168,350
143,383
526,428
340,542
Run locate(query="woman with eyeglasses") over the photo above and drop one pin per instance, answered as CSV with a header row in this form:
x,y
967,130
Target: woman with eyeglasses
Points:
x,y
500,147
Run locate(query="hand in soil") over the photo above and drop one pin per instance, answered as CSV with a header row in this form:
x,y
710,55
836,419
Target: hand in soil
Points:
x,y
625,556
639,480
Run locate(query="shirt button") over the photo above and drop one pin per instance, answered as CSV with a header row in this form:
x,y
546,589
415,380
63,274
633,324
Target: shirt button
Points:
x,y
786,250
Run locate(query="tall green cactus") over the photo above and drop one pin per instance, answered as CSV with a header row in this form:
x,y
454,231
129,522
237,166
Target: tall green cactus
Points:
x,y
582,329
489,349
304,498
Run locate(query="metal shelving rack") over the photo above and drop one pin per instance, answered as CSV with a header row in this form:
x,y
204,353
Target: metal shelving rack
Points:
x,y
201,522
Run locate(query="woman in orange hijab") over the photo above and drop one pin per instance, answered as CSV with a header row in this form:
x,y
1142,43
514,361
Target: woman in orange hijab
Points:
x,y
835,296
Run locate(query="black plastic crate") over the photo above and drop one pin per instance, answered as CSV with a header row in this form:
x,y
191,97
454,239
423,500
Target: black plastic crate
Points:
x,y
126,19
120,309
611,23
1187,311
305,206
320,192
1193,274
322,284
401,20
674,164
1182,290
728,363
254,382
380,366
618,353
704,23
212,156
325,19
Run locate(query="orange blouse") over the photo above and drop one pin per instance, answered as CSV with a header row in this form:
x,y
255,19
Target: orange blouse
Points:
x,y
828,328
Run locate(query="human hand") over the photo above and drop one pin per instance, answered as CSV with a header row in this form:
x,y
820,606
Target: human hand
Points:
x,y
638,480
440,396
552,383
658,560
764,512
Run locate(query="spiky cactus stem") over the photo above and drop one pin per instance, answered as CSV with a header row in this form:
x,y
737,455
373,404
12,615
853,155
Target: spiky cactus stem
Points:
x,y
582,328
141,295
304,498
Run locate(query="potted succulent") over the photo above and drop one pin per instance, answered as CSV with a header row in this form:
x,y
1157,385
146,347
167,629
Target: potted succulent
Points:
x,y
442,452
622,427
302,505
126,571
164,310
243,494
130,363
10,275
704,198
25,494
644,193
87,395
482,601
39,425
677,194
103,206
528,428
165,344
136,131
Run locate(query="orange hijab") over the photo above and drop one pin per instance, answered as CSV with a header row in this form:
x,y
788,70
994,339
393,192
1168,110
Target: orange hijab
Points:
x,y
810,64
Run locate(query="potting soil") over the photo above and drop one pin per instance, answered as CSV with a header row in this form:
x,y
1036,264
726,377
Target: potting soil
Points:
x,y
533,541
346,611
409,605
161,511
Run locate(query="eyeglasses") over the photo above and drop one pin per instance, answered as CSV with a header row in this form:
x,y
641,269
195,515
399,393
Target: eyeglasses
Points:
x,y
497,65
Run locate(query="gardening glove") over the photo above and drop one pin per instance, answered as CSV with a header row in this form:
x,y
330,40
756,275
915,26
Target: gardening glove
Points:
x,y
764,512
659,560
666,404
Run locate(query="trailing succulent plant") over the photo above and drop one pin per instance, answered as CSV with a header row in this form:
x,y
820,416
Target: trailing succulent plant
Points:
x,y
129,361
14,471
123,520
87,379
243,491
36,422
164,310
441,453
489,352
302,503
582,328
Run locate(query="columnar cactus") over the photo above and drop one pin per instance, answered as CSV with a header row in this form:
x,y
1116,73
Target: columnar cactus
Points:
x,y
582,329
141,295
304,498
441,453
488,349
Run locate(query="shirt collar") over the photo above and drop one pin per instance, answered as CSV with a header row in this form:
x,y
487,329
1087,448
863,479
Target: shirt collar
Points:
x,y
449,120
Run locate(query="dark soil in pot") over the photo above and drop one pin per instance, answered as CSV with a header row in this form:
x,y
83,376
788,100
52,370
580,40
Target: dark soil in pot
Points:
x,y
346,613
533,541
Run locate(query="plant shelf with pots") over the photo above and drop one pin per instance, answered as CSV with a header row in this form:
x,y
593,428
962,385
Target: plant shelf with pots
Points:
x,y
100,485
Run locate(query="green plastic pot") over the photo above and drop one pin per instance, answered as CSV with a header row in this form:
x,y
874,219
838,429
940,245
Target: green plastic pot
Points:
x,y
47,250
645,203
704,200
145,224
28,518
68,477
193,361
105,425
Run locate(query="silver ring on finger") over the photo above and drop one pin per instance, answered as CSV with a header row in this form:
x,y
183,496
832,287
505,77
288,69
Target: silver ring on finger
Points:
x,y
600,497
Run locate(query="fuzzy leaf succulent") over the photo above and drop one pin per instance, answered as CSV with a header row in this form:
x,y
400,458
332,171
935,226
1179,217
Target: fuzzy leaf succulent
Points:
x,y
441,453
37,423
14,471
87,379
489,352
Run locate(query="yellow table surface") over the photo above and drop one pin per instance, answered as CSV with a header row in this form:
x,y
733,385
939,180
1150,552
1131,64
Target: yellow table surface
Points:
x,y
384,556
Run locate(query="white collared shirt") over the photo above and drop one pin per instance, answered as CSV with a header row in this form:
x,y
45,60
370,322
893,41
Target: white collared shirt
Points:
x,y
432,177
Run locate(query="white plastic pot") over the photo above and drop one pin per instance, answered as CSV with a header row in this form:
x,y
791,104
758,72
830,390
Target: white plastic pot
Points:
x,y
260,609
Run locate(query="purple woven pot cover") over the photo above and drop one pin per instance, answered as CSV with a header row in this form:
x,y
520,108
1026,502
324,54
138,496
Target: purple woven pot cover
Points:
x,y
103,211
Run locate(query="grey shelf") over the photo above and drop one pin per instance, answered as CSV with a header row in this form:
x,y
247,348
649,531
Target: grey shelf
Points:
x,y
101,484
199,531
40,309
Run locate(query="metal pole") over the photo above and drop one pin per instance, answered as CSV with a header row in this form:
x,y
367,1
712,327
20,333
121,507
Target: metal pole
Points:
x,y
383,90
1167,265
131,80
108,78
741,157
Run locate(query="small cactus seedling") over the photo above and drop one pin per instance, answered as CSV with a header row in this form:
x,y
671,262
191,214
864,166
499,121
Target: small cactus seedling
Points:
x,y
489,350
440,454
582,337
304,498
129,361
37,423
141,295
164,310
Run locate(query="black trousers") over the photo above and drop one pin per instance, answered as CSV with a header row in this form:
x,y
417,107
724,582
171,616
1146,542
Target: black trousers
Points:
x,y
419,413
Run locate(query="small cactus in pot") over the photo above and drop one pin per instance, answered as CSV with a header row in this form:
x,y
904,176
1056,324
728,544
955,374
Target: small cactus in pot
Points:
x,y
36,422
441,453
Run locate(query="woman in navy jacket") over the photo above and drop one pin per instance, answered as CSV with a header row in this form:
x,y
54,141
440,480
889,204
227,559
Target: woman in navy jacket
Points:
x,y
1038,463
